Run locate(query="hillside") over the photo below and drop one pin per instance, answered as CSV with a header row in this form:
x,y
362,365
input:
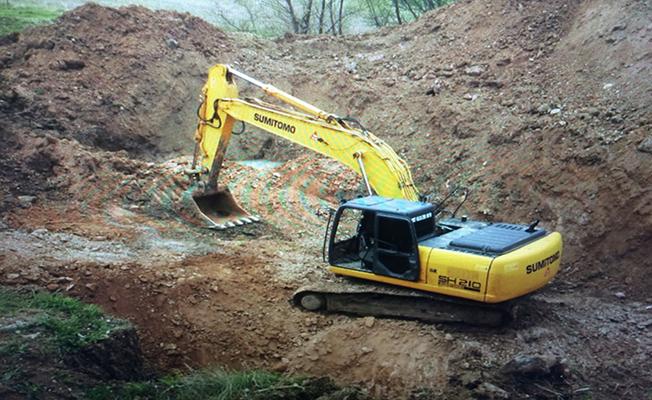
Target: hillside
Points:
x,y
541,108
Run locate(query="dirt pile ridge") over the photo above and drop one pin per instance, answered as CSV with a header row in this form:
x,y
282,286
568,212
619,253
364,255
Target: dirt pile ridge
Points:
x,y
541,108
113,79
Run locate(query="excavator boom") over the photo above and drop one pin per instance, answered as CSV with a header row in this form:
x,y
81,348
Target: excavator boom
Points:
x,y
383,171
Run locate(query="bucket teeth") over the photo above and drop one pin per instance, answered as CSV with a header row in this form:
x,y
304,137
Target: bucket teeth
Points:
x,y
215,210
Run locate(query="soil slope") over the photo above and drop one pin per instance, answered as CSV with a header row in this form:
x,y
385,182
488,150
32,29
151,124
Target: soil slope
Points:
x,y
542,109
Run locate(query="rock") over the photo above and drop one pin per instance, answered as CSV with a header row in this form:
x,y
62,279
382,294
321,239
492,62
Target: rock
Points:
x,y
52,287
11,277
448,337
619,27
369,322
68,65
26,201
40,44
39,232
620,295
504,61
528,365
616,119
536,333
646,145
488,390
436,88
555,111
543,109
471,96
113,298
474,70
593,111
351,67
644,324
366,350
470,379
171,43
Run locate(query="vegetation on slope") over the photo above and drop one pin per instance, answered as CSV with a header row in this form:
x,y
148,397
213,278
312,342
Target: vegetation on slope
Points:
x,y
17,18
54,344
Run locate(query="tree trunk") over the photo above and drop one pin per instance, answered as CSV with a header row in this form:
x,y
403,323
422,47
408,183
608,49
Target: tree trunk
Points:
x,y
339,18
321,16
332,15
305,21
397,11
293,16
409,7
374,14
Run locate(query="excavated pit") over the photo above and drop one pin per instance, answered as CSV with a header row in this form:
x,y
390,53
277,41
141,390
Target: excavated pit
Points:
x,y
541,108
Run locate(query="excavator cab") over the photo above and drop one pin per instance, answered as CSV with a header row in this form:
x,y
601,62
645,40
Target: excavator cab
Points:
x,y
380,235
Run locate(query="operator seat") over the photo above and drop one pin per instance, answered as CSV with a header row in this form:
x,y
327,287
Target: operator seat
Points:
x,y
366,240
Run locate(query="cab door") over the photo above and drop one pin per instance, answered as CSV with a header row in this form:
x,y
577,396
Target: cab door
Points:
x,y
396,254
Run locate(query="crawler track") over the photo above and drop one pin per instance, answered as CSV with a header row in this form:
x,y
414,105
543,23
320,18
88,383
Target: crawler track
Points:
x,y
367,299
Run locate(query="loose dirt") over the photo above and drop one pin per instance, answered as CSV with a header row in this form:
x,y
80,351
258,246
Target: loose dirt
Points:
x,y
541,108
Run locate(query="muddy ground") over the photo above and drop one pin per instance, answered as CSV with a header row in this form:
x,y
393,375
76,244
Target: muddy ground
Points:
x,y
541,108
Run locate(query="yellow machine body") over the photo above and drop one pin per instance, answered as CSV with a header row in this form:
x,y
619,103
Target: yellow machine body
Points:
x,y
478,277
483,276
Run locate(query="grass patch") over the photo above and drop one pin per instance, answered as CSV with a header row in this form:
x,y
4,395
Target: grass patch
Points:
x,y
207,384
218,384
17,18
64,321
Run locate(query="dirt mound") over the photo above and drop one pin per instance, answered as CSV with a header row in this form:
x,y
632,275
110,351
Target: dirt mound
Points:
x,y
116,79
541,108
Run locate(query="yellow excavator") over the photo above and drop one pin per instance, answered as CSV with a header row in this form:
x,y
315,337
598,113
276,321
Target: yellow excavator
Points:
x,y
405,258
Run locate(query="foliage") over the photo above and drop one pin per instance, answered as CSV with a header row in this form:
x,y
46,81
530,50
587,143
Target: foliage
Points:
x,y
16,18
335,17
68,322
217,384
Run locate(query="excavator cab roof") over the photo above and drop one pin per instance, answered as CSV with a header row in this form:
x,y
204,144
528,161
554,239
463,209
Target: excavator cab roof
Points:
x,y
391,206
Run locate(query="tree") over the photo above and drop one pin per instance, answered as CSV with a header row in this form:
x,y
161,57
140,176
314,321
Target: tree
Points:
x,y
397,10
386,12
333,17
322,13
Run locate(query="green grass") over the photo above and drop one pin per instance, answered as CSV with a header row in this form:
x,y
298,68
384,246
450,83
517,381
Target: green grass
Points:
x,y
66,322
46,325
17,18
217,384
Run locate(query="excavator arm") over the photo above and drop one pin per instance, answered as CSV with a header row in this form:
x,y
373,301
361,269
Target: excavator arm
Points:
x,y
382,170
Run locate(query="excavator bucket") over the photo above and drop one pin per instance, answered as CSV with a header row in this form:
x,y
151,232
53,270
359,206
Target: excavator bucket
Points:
x,y
216,210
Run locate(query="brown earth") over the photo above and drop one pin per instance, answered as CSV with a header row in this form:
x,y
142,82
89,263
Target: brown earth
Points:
x,y
541,108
